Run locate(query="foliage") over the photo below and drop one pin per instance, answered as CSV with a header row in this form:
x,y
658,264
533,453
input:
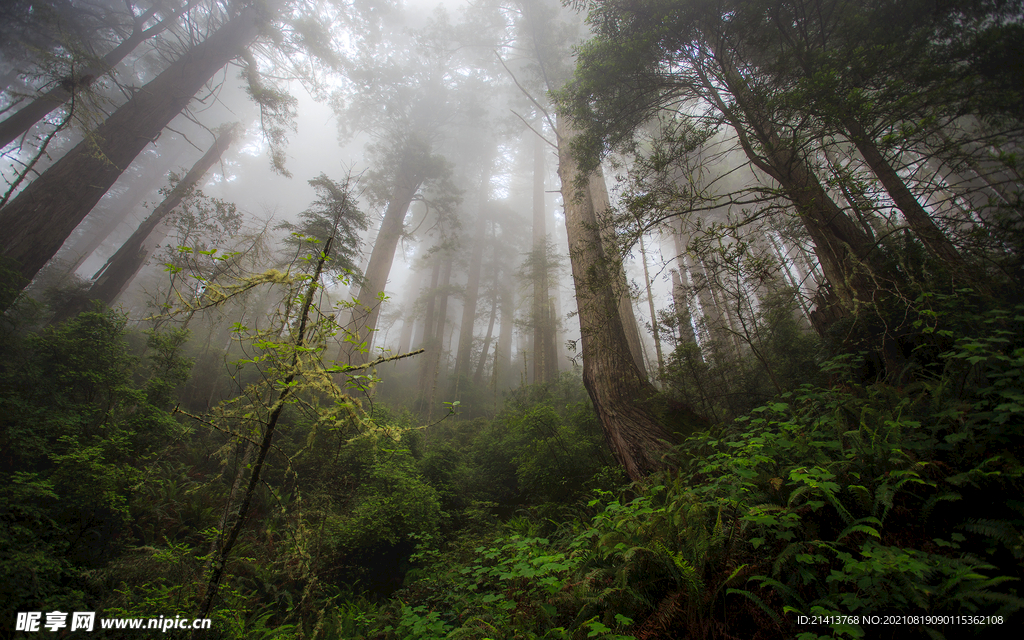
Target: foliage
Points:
x,y
76,433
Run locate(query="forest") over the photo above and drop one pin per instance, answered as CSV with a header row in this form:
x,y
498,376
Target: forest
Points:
x,y
511,319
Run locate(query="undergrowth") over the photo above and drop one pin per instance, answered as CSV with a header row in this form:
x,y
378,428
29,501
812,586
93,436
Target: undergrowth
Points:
x,y
849,510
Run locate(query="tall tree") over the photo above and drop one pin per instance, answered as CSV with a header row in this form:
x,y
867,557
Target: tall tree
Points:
x,y
616,385
118,272
42,216
22,120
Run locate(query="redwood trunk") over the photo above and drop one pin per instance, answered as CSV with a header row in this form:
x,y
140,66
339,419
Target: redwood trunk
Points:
x,y
365,315
463,359
599,205
544,368
115,276
23,120
42,216
918,219
92,238
615,384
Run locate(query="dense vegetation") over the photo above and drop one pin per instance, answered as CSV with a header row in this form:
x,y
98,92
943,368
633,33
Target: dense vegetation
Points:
x,y
821,437
842,496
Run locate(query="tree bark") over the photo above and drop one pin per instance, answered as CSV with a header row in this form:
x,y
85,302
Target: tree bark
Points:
x,y
599,204
42,216
23,120
918,219
119,271
616,385
364,318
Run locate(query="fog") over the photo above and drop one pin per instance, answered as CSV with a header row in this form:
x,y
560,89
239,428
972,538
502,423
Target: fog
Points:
x,y
472,88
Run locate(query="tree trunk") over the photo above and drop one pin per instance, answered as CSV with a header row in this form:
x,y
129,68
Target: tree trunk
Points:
x,y
23,120
463,359
115,276
918,219
364,318
599,204
42,216
434,341
650,304
681,290
503,350
616,385
843,250
478,375
542,329
91,238
408,315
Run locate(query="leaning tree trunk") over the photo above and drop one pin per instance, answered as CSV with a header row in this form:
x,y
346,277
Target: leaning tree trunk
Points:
x,y
96,231
23,120
614,382
600,204
918,219
844,252
363,322
42,216
112,279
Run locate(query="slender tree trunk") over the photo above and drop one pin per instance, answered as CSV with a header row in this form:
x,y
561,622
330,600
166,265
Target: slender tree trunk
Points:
x,y
463,358
435,345
478,375
119,271
408,314
650,303
42,216
542,334
23,120
681,289
616,385
918,219
273,415
503,350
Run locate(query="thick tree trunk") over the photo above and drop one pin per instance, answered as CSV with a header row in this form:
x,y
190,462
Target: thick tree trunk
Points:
x,y
23,120
42,216
97,231
119,271
844,252
616,385
364,318
599,204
